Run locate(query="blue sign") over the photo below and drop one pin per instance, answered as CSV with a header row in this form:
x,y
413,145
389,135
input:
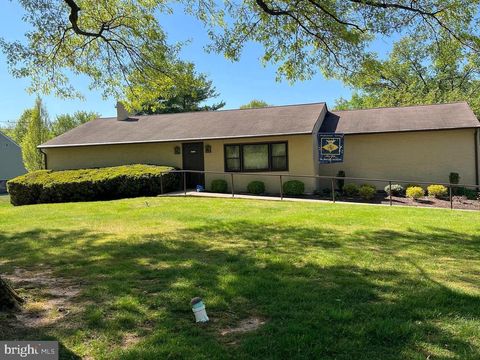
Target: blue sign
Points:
x,y
330,148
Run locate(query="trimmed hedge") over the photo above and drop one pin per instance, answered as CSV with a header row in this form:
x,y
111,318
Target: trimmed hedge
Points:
x,y
219,186
351,190
437,191
293,188
367,191
415,192
256,187
397,190
47,186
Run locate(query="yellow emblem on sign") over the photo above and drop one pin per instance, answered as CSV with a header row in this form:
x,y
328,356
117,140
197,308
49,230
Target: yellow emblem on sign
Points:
x,y
330,146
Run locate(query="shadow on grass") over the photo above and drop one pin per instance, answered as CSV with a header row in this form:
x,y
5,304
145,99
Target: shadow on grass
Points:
x,y
141,286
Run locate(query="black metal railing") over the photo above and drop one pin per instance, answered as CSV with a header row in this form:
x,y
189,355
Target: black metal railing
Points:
x,y
331,179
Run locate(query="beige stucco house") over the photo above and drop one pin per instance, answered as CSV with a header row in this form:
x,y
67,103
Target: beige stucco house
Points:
x,y
417,143
11,163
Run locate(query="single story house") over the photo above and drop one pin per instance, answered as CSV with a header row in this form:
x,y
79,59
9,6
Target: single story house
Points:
x,y
11,162
413,143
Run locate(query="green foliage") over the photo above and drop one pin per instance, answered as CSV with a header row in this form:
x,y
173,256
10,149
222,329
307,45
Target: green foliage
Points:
x,y
351,190
256,187
108,40
21,126
340,182
367,191
66,122
397,190
333,37
415,73
293,188
219,186
46,186
415,192
37,132
103,40
454,178
437,191
470,194
181,90
255,103
412,185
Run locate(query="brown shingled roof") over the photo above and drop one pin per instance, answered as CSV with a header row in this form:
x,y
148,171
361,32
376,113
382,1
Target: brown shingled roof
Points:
x,y
407,118
268,121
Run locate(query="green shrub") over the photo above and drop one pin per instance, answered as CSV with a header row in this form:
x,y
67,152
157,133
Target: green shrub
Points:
x,y
47,186
437,191
293,187
412,185
219,186
367,191
397,190
340,182
470,194
454,178
351,190
256,187
415,192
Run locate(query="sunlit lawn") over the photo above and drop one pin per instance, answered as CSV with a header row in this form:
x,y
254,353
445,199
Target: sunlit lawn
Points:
x,y
330,281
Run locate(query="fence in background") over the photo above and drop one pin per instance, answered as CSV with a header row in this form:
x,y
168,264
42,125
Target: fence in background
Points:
x,y
331,180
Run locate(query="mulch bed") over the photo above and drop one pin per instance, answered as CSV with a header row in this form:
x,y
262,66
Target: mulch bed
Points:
x,y
459,202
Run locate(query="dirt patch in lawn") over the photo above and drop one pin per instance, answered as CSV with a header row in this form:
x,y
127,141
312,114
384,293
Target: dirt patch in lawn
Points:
x,y
244,326
48,299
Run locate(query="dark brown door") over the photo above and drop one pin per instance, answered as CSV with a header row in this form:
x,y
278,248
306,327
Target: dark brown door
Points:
x,y
193,160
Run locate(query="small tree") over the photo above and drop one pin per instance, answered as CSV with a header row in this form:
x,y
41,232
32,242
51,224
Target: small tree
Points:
x,y
66,122
36,134
255,103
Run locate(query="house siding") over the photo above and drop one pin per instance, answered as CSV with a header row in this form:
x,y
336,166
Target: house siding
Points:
x,y
299,154
11,162
428,156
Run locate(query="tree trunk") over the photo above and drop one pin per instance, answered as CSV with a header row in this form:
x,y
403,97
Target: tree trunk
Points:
x,y
9,299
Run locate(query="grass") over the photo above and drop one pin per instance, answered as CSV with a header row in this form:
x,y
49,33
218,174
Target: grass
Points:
x,y
331,281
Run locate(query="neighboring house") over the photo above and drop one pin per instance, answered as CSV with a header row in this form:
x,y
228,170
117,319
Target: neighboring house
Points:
x,y
416,143
11,162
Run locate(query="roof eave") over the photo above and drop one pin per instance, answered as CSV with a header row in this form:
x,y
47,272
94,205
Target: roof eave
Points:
x,y
45,146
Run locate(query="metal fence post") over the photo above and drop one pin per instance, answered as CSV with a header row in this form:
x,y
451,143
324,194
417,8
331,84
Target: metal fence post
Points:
x,y
281,188
184,183
161,183
333,189
390,192
233,188
451,197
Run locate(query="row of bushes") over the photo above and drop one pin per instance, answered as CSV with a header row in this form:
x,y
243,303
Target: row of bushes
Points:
x,y
46,186
364,191
290,188
438,191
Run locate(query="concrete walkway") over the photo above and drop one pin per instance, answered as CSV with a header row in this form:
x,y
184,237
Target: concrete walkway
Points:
x,y
256,197
193,193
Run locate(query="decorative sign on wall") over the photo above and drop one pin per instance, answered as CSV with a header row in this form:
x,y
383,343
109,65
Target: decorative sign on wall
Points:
x,y
330,148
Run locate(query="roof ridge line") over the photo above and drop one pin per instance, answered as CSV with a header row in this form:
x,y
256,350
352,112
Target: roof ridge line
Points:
x,y
220,111
404,106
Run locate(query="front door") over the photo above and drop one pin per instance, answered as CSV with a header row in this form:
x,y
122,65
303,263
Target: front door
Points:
x,y
193,160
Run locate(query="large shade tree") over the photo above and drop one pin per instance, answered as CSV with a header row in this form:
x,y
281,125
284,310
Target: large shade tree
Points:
x,y
181,91
109,39
417,74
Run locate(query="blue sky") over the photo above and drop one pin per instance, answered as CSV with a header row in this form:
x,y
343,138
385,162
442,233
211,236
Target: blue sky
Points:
x,y
237,82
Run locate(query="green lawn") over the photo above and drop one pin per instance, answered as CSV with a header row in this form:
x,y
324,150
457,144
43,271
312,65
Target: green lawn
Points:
x,y
330,281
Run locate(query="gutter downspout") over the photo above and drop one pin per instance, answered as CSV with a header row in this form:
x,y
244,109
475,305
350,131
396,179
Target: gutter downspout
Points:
x,y
46,162
477,156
